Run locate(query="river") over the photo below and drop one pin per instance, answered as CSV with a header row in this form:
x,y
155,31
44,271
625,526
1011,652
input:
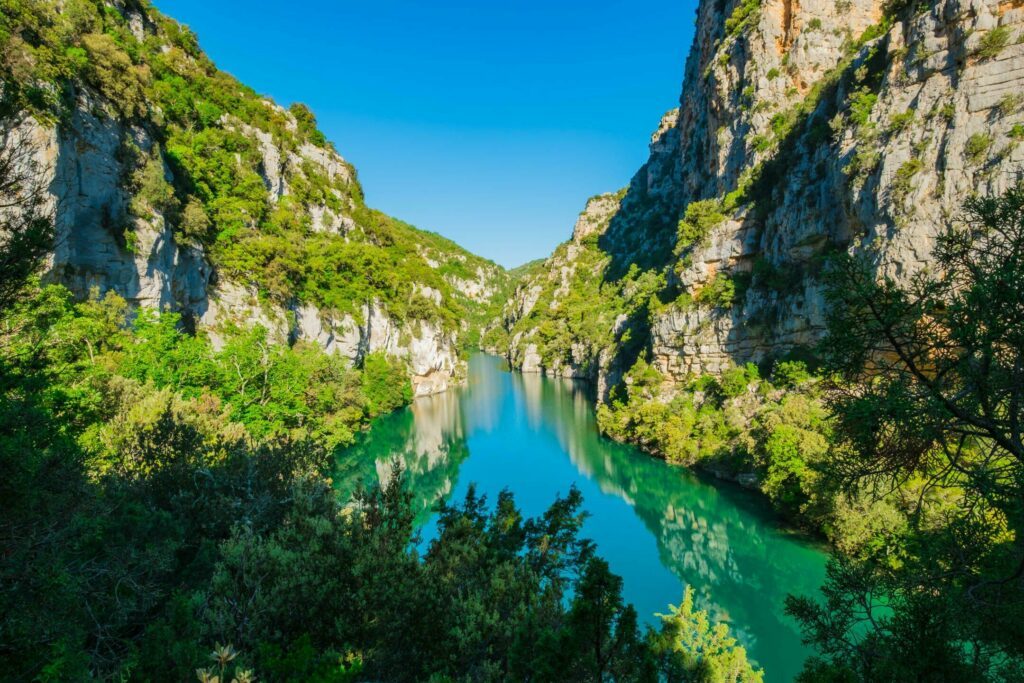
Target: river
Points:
x,y
660,527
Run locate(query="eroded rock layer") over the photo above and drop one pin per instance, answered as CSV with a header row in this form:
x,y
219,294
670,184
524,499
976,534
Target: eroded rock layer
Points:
x,y
803,129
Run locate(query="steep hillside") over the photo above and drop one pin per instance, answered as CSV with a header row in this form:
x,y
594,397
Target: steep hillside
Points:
x,y
804,129
179,188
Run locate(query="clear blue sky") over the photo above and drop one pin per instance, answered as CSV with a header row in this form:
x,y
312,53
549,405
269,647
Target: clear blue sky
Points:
x,y
488,122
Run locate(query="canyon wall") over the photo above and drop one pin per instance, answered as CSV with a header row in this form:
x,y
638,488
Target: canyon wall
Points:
x,y
90,159
804,128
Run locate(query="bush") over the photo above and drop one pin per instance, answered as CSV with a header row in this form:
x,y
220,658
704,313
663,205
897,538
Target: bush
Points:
x,y
977,147
112,73
385,384
152,192
900,121
720,292
861,104
902,182
307,124
743,15
698,220
790,374
736,381
993,42
194,223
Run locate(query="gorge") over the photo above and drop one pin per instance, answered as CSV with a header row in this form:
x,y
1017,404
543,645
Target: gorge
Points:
x,y
659,527
241,410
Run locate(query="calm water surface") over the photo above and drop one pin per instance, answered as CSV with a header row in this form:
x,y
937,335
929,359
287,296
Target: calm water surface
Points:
x,y
659,527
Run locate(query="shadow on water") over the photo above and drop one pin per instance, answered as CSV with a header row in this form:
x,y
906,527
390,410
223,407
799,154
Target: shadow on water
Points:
x,y
660,527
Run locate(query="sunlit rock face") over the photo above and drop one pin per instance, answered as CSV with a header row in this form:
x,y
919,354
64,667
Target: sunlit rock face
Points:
x,y
816,132
85,177
78,165
86,164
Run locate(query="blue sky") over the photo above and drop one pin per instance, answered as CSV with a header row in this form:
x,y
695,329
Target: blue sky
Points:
x,y
488,122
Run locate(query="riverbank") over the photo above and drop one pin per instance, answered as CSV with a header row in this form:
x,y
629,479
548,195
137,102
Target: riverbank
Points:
x,y
659,526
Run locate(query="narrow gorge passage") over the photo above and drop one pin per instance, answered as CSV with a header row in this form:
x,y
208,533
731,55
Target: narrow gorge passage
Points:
x,y
660,527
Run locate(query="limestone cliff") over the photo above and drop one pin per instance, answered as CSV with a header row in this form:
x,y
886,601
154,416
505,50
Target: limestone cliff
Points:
x,y
803,128
180,189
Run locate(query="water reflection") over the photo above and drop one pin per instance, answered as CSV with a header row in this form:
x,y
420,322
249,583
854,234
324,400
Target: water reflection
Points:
x,y
660,527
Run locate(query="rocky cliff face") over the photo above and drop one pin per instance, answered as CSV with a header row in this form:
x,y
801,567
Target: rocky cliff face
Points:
x,y
82,168
110,239
804,128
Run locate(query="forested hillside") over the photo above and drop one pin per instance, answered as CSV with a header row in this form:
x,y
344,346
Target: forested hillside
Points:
x,y
177,187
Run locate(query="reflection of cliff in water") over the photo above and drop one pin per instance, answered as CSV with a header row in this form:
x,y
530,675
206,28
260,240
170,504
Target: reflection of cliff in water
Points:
x,y
427,438
657,525
715,539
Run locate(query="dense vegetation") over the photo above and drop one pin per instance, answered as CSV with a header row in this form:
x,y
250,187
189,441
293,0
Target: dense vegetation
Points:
x,y
929,407
163,500
735,424
579,305
201,167
898,439
903,448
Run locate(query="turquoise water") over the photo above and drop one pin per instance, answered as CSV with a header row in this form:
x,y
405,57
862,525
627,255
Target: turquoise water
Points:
x,y
660,527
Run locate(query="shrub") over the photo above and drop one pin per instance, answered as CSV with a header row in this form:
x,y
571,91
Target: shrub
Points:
x,y
194,223
719,293
152,191
861,103
113,74
306,122
743,15
698,220
790,374
900,121
977,147
993,42
735,381
787,452
385,384
761,143
903,181
1010,104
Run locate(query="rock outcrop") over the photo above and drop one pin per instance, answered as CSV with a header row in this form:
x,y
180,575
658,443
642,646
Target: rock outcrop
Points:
x,y
110,240
803,129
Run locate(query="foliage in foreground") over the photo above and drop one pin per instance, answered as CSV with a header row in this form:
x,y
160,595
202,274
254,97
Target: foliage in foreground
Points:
x,y
931,407
162,499
905,451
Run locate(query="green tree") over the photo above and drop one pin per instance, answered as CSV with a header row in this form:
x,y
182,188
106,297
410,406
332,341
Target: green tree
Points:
x,y
932,406
690,648
385,384
604,635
